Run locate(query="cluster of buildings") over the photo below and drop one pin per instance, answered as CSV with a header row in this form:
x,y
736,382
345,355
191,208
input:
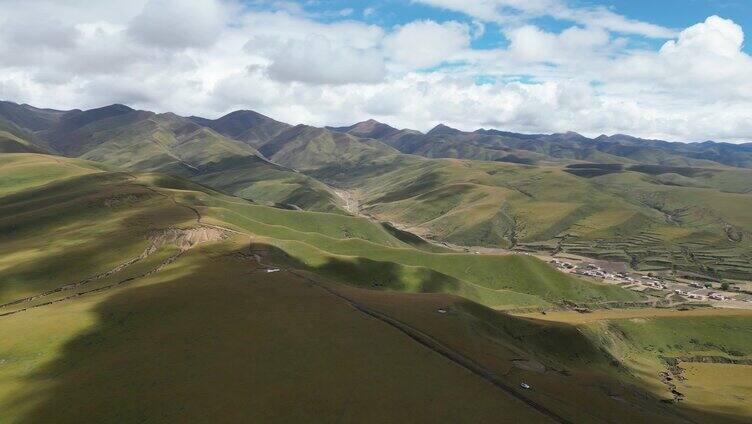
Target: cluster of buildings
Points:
x,y
640,283
591,270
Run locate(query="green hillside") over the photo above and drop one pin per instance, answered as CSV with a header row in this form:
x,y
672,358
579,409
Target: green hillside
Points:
x,y
15,140
151,291
144,141
657,206
350,249
309,148
652,217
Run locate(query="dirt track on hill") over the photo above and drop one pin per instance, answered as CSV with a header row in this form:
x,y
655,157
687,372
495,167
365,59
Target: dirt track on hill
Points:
x,y
182,238
437,347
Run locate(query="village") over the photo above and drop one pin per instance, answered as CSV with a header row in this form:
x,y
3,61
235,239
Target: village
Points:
x,y
738,295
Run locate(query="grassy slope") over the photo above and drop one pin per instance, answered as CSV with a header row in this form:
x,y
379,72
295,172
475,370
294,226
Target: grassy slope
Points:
x,y
348,248
160,351
715,390
15,140
356,250
163,143
213,319
21,172
263,182
171,144
641,343
84,224
482,203
309,148
643,216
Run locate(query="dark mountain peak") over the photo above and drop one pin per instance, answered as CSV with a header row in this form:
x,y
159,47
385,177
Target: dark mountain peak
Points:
x,y
369,129
442,129
29,117
508,134
244,114
248,126
568,136
300,129
113,109
617,138
77,118
169,116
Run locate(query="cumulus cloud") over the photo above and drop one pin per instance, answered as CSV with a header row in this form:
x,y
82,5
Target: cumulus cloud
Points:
x,y
319,60
422,44
178,23
715,36
530,43
216,56
294,48
705,62
38,32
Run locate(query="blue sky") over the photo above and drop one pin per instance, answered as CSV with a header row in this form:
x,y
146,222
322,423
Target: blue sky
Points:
x,y
669,69
676,14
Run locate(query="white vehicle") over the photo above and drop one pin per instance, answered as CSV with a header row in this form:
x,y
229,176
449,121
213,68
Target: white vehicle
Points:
x,y
525,386
268,271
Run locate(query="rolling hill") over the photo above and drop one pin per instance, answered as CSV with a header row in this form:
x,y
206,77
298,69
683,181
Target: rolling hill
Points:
x,y
309,148
13,141
657,206
650,217
119,136
152,291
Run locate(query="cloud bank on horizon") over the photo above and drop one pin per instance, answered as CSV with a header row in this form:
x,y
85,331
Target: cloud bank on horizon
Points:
x,y
520,65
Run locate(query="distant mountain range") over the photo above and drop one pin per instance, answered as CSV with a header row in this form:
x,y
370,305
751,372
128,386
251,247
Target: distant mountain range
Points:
x,y
650,203
445,142
24,127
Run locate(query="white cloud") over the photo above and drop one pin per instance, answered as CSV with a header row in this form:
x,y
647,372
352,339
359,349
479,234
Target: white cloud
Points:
x,y
299,49
319,60
178,23
506,11
715,36
422,44
530,43
705,63
292,67
38,32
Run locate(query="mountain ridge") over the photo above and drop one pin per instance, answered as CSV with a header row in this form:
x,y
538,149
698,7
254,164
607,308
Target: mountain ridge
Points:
x,y
484,188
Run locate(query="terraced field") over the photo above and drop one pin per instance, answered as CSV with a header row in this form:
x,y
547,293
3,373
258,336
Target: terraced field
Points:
x,y
650,217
